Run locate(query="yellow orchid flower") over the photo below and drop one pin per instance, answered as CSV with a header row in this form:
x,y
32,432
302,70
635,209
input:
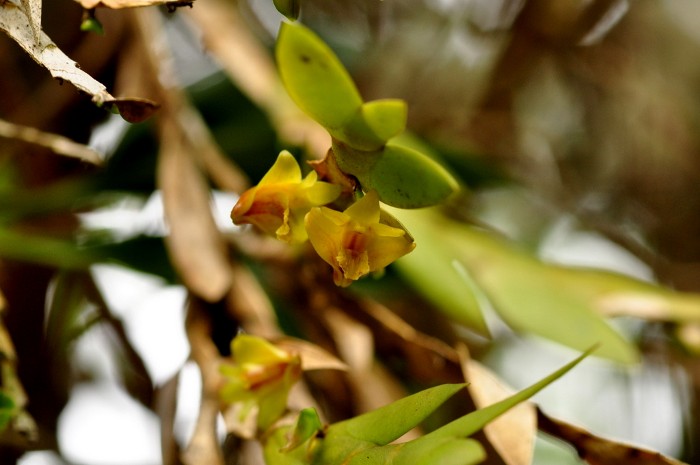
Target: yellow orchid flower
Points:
x,y
278,203
355,242
259,379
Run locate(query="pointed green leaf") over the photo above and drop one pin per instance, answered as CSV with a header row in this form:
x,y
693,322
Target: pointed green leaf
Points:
x,y
314,77
374,124
475,421
448,445
388,423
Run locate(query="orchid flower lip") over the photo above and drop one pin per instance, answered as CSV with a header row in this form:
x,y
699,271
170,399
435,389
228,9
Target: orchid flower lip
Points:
x,y
354,242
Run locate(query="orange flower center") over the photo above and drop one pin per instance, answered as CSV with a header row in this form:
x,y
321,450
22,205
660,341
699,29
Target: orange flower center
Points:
x,y
355,243
262,375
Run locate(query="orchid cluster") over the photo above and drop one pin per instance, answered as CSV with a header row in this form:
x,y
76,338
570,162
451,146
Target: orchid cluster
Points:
x,y
340,214
355,242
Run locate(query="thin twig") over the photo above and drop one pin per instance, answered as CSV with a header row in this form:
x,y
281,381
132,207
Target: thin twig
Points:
x,y
56,143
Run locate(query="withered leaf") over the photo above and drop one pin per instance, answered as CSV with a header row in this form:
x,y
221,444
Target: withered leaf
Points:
x,y
23,24
15,22
32,8
513,434
134,110
195,244
597,450
312,356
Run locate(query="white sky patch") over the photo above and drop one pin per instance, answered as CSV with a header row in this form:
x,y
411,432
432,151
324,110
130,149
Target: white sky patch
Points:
x,y
566,245
40,457
153,316
94,353
156,328
105,136
102,425
188,401
131,216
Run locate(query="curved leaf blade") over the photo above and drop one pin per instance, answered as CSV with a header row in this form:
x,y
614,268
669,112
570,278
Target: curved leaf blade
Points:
x,y
475,421
314,77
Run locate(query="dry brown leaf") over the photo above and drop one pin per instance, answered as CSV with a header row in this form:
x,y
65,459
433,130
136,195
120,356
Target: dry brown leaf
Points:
x,y
117,4
512,434
133,110
600,451
21,25
312,356
196,246
32,8
58,144
353,340
15,22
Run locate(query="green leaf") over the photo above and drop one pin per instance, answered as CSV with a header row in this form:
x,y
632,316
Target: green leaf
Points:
x,y
374,124
289,8
614,294
456,451
469,424
385,424
274,453
531,296
434,272
307,426
45,250
381,426
403,177
364,440
315,78
537,298
451,451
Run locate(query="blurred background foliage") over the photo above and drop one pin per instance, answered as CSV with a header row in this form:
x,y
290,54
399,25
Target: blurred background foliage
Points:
x,y
572,125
